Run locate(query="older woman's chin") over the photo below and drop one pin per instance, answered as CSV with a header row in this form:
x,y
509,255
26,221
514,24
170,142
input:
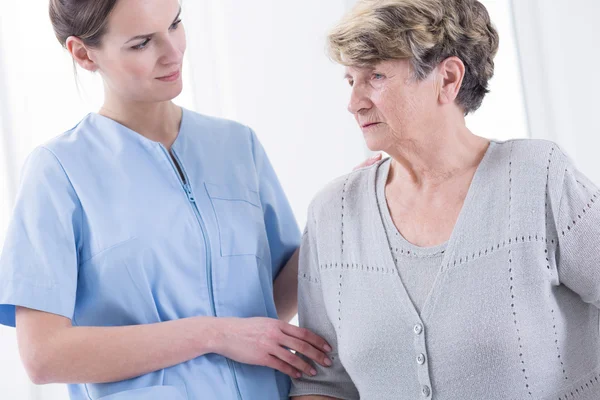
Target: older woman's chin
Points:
x,y
375,142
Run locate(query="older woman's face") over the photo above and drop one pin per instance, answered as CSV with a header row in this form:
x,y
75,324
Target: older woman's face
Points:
x,y
390,105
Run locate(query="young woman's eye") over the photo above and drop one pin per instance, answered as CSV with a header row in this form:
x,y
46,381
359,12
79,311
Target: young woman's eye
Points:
x,y
142,45
175,24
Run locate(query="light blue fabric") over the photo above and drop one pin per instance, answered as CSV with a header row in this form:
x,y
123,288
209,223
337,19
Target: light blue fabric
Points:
x,y
105,232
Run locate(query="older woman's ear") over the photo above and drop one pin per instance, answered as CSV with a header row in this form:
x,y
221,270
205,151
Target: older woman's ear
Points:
x,y
452,73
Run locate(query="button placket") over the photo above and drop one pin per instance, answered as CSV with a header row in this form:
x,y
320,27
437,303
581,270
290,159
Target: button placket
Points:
x,y
421,360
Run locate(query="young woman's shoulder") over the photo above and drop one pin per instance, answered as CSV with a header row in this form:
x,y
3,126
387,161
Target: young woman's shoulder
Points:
x,y
206,125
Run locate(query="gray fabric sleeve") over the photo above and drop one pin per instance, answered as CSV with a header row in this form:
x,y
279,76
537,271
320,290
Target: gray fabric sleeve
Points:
x,y
333,381
578,258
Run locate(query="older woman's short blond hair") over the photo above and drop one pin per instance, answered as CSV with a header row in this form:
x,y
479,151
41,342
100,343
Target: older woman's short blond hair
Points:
x,y
424,31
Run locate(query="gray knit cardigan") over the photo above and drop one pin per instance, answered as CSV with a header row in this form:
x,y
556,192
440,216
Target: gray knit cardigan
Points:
x,y
513,313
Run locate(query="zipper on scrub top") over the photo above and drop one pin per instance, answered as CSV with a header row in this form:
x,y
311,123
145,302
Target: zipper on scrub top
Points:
x,y
185,182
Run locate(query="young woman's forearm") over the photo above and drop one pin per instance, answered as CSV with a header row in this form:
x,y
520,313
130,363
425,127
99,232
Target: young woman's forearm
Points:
x,y
54,351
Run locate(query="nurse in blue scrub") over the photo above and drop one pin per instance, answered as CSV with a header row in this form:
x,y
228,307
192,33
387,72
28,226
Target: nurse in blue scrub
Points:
x,y
147,241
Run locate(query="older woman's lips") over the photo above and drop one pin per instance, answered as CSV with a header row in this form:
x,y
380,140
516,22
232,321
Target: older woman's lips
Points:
x,y
365,126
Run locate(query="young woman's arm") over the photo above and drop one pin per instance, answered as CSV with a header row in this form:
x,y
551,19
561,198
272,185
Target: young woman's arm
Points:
x,y
285,290
54,351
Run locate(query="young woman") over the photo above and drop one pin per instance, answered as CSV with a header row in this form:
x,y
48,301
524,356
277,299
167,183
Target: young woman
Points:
x,y
145,245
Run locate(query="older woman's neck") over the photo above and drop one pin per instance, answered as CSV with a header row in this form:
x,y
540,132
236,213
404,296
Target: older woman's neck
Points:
x,y
438,156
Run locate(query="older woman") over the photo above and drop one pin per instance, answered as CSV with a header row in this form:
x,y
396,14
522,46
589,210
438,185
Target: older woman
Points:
x,y
458,268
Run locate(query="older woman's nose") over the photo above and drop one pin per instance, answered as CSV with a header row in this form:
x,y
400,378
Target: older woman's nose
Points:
x,y
358,101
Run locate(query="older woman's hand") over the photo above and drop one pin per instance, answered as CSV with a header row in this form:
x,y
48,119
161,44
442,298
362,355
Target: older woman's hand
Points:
x,y
369,162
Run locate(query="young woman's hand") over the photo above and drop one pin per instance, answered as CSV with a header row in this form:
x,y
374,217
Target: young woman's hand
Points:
x,y
268,342
369,162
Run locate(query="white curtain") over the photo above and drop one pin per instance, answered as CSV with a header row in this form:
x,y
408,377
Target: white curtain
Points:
x,y
259,62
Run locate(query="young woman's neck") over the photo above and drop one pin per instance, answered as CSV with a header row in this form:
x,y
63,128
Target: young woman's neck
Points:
x,y
159,121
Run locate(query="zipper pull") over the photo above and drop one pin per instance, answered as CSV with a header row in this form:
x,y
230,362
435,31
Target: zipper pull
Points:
x,y
188,191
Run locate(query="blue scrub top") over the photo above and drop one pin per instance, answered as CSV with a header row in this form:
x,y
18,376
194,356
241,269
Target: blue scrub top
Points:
x,y
107,232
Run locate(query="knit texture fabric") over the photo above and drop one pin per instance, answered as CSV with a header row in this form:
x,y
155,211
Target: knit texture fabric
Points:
x,y
417,266
512,313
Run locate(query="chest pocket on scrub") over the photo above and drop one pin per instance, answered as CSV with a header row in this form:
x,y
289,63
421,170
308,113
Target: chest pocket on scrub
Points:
x,y
239,218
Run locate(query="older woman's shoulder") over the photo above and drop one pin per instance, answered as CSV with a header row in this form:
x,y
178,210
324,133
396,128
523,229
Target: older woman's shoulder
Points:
x,y
532,153
343,189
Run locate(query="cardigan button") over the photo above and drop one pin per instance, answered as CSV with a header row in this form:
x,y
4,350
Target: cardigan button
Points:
x,y
425,391
418,329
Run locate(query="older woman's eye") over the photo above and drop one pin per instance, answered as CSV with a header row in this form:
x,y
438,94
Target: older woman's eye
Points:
x,y
350,82
378,76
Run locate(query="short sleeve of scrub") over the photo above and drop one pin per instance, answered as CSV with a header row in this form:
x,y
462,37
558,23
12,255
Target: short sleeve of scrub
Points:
x,y
282,229
39,263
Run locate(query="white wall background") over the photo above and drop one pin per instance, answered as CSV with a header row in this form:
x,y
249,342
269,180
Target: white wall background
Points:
x,y
558,43
262,63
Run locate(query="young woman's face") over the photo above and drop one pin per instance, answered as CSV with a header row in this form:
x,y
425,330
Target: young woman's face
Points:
x,y
141,55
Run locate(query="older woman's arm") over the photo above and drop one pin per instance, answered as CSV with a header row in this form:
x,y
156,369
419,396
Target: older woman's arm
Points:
x,y
332,382
285,288
578,230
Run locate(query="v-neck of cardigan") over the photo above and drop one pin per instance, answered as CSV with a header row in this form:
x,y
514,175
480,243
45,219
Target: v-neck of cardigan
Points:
x,y
405,247
450,245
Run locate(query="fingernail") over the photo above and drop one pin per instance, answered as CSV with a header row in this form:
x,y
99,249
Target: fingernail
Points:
x,y
313,372
328,362
327,348
298,375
